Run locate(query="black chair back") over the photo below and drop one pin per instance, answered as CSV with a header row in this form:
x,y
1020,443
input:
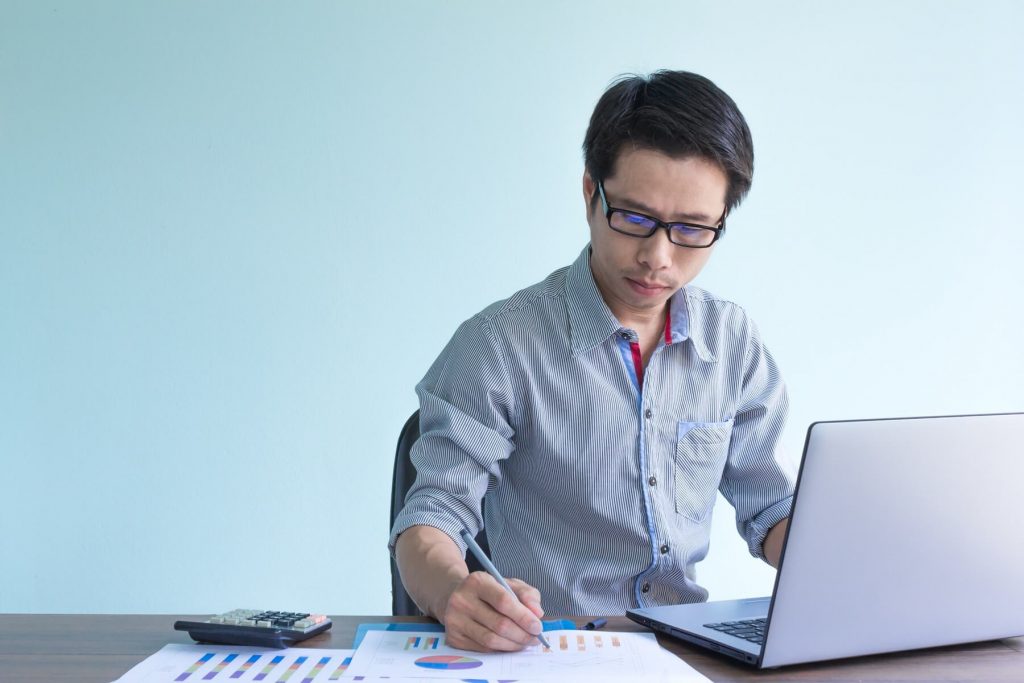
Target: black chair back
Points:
x,y
402,479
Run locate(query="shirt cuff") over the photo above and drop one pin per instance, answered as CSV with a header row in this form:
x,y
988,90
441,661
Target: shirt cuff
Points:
x,y
758,528
449,526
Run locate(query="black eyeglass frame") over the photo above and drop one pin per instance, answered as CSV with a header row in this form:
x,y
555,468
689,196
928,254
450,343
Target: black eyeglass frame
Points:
x,y
609,210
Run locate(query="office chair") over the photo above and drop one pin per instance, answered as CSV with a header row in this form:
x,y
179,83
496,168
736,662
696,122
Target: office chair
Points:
x,y
401,481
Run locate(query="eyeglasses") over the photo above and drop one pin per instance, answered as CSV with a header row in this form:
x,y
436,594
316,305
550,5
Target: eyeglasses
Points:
x,y
641,225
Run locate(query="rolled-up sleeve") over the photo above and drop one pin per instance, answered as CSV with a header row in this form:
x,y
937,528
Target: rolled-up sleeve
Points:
x,y
466,405
758,480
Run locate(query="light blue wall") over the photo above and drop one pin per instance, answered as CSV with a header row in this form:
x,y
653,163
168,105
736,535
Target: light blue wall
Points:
x,y
234,236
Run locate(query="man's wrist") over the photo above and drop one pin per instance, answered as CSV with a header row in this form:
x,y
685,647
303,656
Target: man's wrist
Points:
x,y
439,608
772,546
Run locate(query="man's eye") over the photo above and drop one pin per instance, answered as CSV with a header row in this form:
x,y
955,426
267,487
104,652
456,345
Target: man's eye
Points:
x,y
687,230
638,220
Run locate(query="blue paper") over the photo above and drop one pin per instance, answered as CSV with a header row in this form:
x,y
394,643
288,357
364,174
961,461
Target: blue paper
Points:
x,y
432,627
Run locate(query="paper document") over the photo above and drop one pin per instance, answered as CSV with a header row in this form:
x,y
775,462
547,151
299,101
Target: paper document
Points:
x,y
573,654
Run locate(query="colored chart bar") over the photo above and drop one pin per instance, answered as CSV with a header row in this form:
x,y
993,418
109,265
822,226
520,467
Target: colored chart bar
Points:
x,y
315,671
299,661
268,668
615,641
580,644
192,669
563,643
420,643
598,641
246,666
220,667
341,669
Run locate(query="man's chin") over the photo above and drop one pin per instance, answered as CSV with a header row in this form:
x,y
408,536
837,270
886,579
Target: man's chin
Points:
x,y
646,303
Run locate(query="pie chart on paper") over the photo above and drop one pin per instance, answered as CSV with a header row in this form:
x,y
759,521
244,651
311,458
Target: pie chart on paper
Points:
x,y
448,662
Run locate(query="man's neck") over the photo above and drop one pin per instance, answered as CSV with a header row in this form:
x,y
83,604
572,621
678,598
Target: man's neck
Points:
x,y
644,321
650,328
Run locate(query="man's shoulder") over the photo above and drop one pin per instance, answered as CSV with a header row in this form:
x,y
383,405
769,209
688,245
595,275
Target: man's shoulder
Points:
x,y
702,302
539,299
722,326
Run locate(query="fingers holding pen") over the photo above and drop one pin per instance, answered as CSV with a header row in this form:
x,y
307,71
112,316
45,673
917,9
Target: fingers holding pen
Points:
x,y
492,589
482,616
528,595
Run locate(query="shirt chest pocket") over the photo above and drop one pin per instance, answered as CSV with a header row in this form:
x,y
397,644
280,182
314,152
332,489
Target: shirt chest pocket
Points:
x,y
701,452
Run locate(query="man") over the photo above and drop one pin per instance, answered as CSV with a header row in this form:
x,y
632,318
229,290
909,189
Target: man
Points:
x,y
590,418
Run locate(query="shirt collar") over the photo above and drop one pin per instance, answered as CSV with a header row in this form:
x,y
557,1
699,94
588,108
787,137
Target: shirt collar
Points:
x,y
591,322
685,325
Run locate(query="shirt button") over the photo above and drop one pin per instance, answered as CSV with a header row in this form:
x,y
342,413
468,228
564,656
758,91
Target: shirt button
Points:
x,y
646,588
664,549
653,481
648,413
625,335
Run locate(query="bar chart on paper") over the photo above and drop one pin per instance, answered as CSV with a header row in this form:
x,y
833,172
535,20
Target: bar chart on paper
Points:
x,y
419,642
582,641
217,663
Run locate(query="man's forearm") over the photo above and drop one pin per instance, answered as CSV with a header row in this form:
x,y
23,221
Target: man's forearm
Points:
x,y
431,566
772,545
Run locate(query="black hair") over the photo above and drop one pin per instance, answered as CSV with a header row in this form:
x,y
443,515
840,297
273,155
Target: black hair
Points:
x,y
677,113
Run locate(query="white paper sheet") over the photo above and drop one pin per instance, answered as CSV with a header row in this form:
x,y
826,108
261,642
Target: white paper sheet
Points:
x,y
574,654
200,663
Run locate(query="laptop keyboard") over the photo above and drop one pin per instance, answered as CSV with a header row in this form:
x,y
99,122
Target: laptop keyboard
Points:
x,y
748,629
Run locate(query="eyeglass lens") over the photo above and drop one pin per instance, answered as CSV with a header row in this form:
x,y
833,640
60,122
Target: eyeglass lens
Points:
x,y
642,226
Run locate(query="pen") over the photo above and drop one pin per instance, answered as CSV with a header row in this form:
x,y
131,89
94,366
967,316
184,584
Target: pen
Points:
x,y
492,570
596,624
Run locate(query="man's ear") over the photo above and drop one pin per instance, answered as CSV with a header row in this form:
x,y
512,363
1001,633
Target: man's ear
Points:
x,y
589,190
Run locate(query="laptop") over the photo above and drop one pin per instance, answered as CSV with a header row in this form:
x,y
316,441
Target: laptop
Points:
x,y
905,533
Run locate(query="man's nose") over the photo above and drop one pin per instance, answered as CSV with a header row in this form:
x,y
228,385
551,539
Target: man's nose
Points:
x,y
657,251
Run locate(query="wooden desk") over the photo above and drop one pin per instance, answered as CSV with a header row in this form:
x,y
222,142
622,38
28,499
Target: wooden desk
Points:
x,y
99,648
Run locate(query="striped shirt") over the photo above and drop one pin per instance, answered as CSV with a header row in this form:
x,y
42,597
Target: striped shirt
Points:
x,y
595,491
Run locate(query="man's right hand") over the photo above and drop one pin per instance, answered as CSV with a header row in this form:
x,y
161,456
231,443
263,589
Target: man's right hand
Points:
x,y
481,615
477,612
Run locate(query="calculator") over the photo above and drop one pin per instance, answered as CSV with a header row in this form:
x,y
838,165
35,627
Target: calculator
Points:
x,y
261,628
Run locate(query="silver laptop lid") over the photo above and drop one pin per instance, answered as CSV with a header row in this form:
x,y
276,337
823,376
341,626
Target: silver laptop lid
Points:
x,y
906,533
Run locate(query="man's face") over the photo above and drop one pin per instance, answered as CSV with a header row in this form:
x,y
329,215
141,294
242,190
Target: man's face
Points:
x,y
636,276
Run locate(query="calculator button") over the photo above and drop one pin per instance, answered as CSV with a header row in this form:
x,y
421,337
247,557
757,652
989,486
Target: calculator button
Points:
x,y
264,624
